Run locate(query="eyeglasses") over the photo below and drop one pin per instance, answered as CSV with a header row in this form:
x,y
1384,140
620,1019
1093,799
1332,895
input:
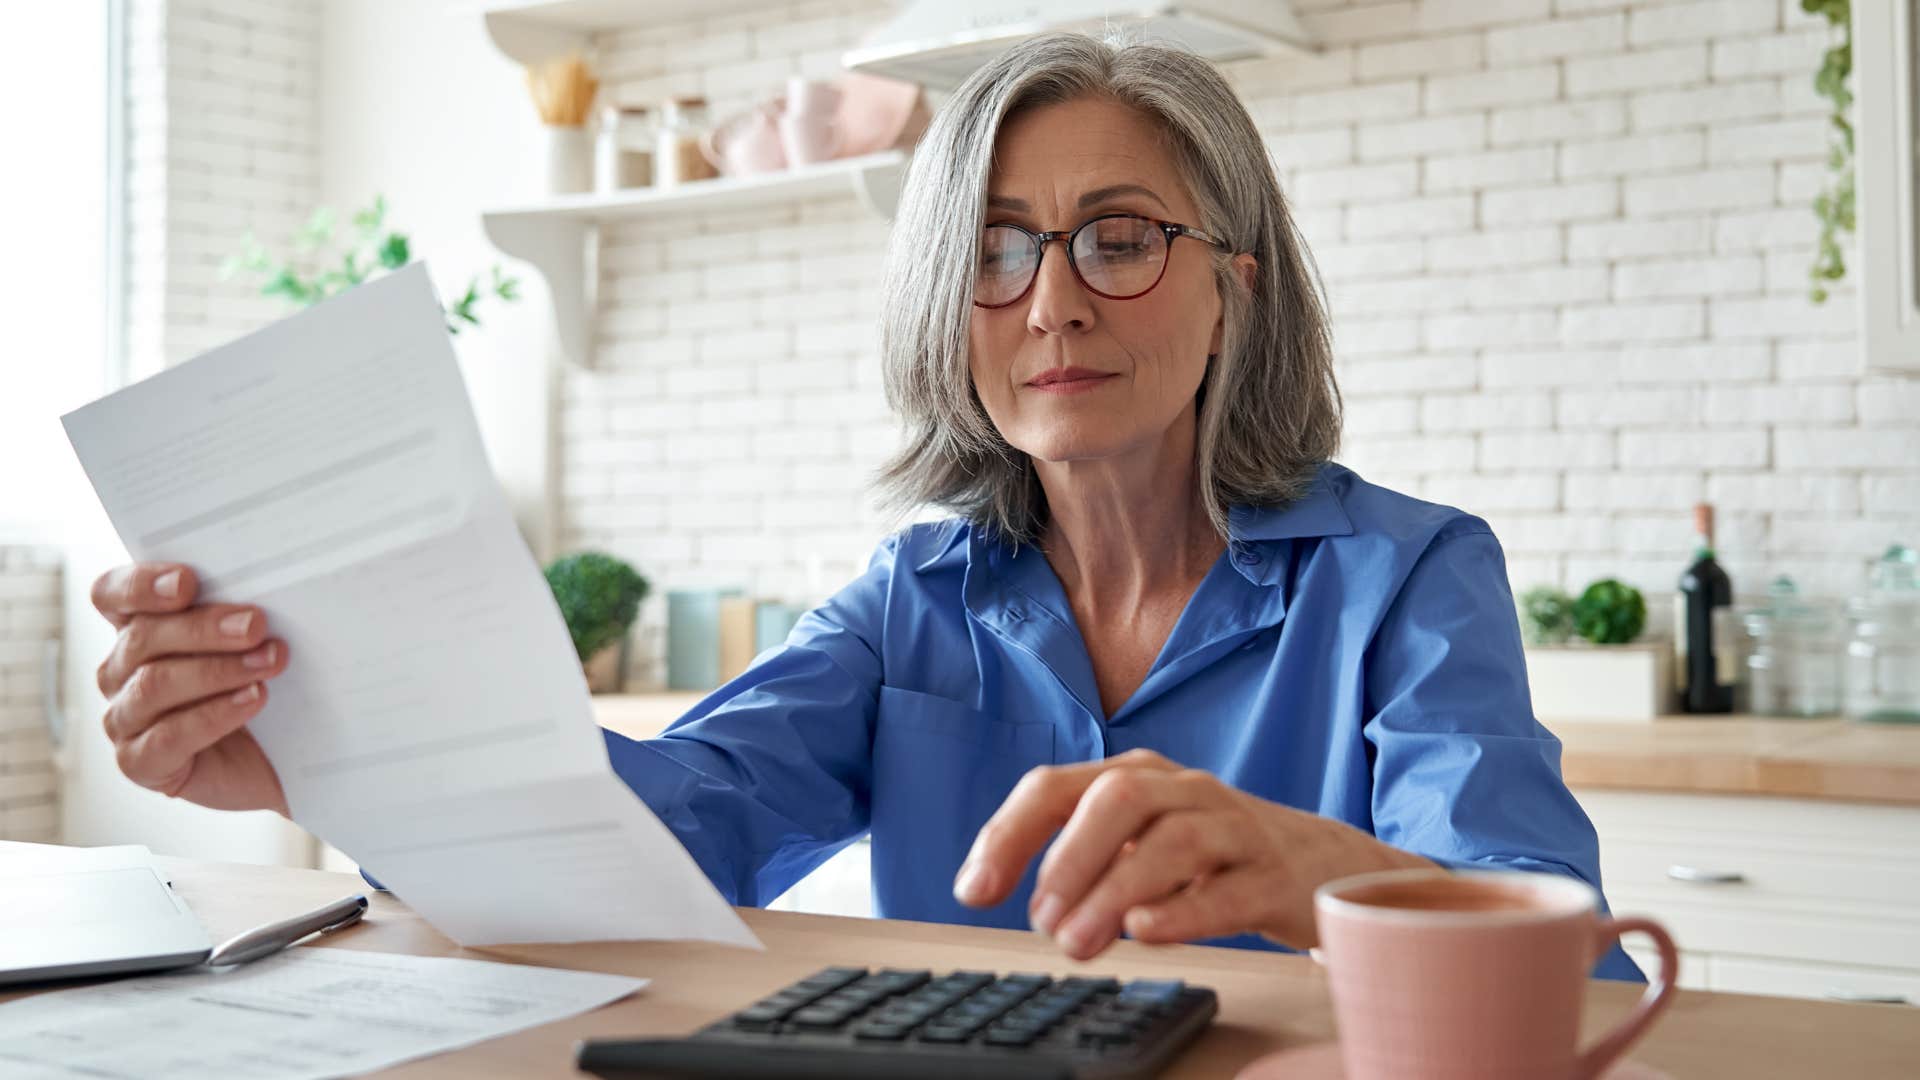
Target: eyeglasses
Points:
x,y
1117,256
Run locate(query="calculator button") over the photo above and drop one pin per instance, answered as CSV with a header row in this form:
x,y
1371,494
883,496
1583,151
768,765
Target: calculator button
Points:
x,y
900,981
1105,1033
1157,993
1011,1036
820,1016
830,979
968,1022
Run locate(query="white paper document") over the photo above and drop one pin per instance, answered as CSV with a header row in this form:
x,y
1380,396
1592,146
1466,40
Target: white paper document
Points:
x,y
298,1015
433,723
19,858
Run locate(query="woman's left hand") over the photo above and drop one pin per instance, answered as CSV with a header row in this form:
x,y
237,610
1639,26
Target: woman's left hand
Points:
x,y
1163,852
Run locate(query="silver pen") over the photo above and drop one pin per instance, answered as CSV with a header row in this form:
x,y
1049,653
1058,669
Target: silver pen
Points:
x,y
265,940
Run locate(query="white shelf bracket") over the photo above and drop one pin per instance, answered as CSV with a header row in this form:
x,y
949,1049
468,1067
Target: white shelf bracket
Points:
x,y
878,189
567,253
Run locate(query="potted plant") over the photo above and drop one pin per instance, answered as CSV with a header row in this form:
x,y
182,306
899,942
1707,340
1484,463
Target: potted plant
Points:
x,y
599,597
1546,615
1605,675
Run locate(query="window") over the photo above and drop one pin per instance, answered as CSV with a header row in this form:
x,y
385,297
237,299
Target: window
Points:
x,y
59,196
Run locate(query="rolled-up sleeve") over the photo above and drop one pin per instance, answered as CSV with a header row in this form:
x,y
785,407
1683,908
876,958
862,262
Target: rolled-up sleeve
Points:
x,y
1463,773
771,774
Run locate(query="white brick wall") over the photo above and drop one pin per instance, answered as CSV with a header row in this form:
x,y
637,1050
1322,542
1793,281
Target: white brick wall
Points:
x,y
29,619
222,123
1565,242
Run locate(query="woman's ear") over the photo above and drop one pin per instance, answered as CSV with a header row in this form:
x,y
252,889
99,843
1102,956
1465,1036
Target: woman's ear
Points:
x,y
1246,265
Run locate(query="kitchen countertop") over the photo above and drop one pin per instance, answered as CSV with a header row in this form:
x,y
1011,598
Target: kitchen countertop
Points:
x,y
1730,755
1746,755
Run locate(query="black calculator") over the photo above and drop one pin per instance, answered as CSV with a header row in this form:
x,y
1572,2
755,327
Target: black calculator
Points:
x,y
854,1023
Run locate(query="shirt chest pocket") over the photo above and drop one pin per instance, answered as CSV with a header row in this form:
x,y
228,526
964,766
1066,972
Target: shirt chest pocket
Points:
x,y
936,759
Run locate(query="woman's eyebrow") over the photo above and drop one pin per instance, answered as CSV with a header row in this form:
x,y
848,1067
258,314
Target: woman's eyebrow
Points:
x,y
1091,198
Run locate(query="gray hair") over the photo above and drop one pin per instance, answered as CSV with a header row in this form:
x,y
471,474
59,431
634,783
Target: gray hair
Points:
x,y
1269,409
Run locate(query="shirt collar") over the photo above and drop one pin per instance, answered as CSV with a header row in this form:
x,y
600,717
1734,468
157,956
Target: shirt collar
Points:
x,y
1014,592
1316,513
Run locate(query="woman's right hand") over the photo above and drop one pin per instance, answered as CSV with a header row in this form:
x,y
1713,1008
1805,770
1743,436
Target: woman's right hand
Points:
x,y
181,683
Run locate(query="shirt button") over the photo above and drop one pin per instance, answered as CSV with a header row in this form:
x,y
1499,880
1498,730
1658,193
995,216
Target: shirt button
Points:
x,y
1247,558
1015,614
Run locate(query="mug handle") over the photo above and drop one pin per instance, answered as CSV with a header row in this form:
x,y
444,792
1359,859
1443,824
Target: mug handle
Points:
x,y
1658,996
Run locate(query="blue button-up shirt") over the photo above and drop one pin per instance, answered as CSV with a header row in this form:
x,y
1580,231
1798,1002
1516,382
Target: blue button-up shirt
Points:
x,y
1354,654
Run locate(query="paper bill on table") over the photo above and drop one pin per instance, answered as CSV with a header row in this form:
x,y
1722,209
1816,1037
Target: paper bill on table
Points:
x,y
434,723
302,1014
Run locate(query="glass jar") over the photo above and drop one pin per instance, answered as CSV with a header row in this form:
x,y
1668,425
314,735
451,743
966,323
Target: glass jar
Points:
x,y
1793,656
678,157
623,158
1883,657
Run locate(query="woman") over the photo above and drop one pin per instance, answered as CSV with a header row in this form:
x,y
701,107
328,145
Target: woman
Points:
x,y
1163,632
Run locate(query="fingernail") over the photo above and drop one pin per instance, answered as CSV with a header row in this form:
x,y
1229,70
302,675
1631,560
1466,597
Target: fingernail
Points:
x,y
167,585
237,624
247,696
261,657
1075,933
973,883
1046,913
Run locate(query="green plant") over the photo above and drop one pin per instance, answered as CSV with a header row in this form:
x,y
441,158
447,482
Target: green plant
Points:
x,y
1546,615
599,596
325,264
1610,613
1834,206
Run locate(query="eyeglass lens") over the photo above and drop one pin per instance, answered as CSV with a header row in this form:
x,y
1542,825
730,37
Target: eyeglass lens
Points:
x,y
1116,257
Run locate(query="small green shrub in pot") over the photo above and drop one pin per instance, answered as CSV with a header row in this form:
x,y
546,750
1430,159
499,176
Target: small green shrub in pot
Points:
x,y
599,597
1546,615
1610,613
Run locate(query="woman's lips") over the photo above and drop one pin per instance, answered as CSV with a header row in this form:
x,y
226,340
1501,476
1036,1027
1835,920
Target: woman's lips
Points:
x,y
1071,380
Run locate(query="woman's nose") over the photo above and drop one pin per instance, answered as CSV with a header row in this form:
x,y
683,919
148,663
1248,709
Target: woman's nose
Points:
x,y
1058,301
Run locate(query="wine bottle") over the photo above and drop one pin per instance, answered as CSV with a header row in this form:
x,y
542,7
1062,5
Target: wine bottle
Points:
x,y
1705,663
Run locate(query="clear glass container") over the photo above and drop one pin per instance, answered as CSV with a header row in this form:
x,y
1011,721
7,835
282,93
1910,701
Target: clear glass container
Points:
x,y
1883,656
623,154
678,157
1793,655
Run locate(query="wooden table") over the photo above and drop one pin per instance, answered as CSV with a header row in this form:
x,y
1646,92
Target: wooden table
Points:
x,y
1731,755
1267,1001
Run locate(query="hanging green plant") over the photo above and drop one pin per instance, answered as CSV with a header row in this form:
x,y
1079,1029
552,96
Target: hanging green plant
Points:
x,y
326,263
1834,206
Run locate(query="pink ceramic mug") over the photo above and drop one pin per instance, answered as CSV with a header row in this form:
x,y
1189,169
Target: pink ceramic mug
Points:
x,y
1441,975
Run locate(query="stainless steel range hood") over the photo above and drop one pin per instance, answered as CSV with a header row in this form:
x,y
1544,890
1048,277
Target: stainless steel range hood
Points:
x,y
938,43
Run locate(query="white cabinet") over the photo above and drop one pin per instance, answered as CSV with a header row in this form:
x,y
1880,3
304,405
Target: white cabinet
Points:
x,y
1886,64
1795,897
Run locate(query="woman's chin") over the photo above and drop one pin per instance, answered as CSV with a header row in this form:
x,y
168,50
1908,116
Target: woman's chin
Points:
x,y
1063,446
